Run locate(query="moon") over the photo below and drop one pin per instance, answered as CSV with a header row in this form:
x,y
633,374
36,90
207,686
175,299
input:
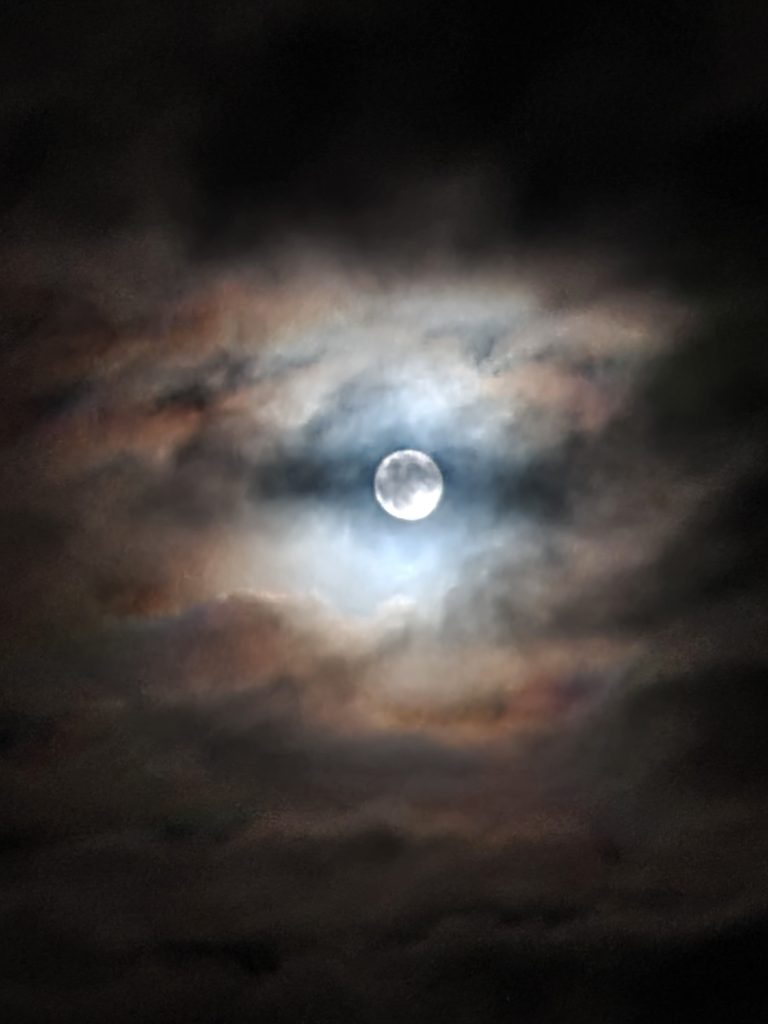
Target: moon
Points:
x,y
408,484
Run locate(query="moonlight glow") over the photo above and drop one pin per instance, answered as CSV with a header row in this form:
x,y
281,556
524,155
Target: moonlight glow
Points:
x,y
408,484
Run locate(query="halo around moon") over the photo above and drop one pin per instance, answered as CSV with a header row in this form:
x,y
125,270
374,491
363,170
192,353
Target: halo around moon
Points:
x,y
408,484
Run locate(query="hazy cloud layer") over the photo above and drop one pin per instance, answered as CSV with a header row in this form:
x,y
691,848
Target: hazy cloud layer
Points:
x,y
265,752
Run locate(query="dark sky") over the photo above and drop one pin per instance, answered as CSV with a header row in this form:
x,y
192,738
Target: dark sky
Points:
x,y
267,754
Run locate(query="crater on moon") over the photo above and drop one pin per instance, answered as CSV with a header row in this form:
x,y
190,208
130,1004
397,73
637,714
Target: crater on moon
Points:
x,y
408,484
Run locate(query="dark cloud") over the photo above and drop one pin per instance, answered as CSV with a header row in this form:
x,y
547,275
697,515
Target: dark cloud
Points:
x,y
264,752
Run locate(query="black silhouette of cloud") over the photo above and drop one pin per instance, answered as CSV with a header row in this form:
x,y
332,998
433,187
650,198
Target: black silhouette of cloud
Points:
x,y
264,751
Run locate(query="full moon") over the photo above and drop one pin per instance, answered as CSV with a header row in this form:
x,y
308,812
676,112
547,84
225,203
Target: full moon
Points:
x,y
408,484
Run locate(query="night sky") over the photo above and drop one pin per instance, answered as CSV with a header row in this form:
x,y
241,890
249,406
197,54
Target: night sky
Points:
x,y
267,754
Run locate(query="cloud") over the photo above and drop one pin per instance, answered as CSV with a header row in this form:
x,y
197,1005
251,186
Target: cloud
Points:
x,y
265,752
